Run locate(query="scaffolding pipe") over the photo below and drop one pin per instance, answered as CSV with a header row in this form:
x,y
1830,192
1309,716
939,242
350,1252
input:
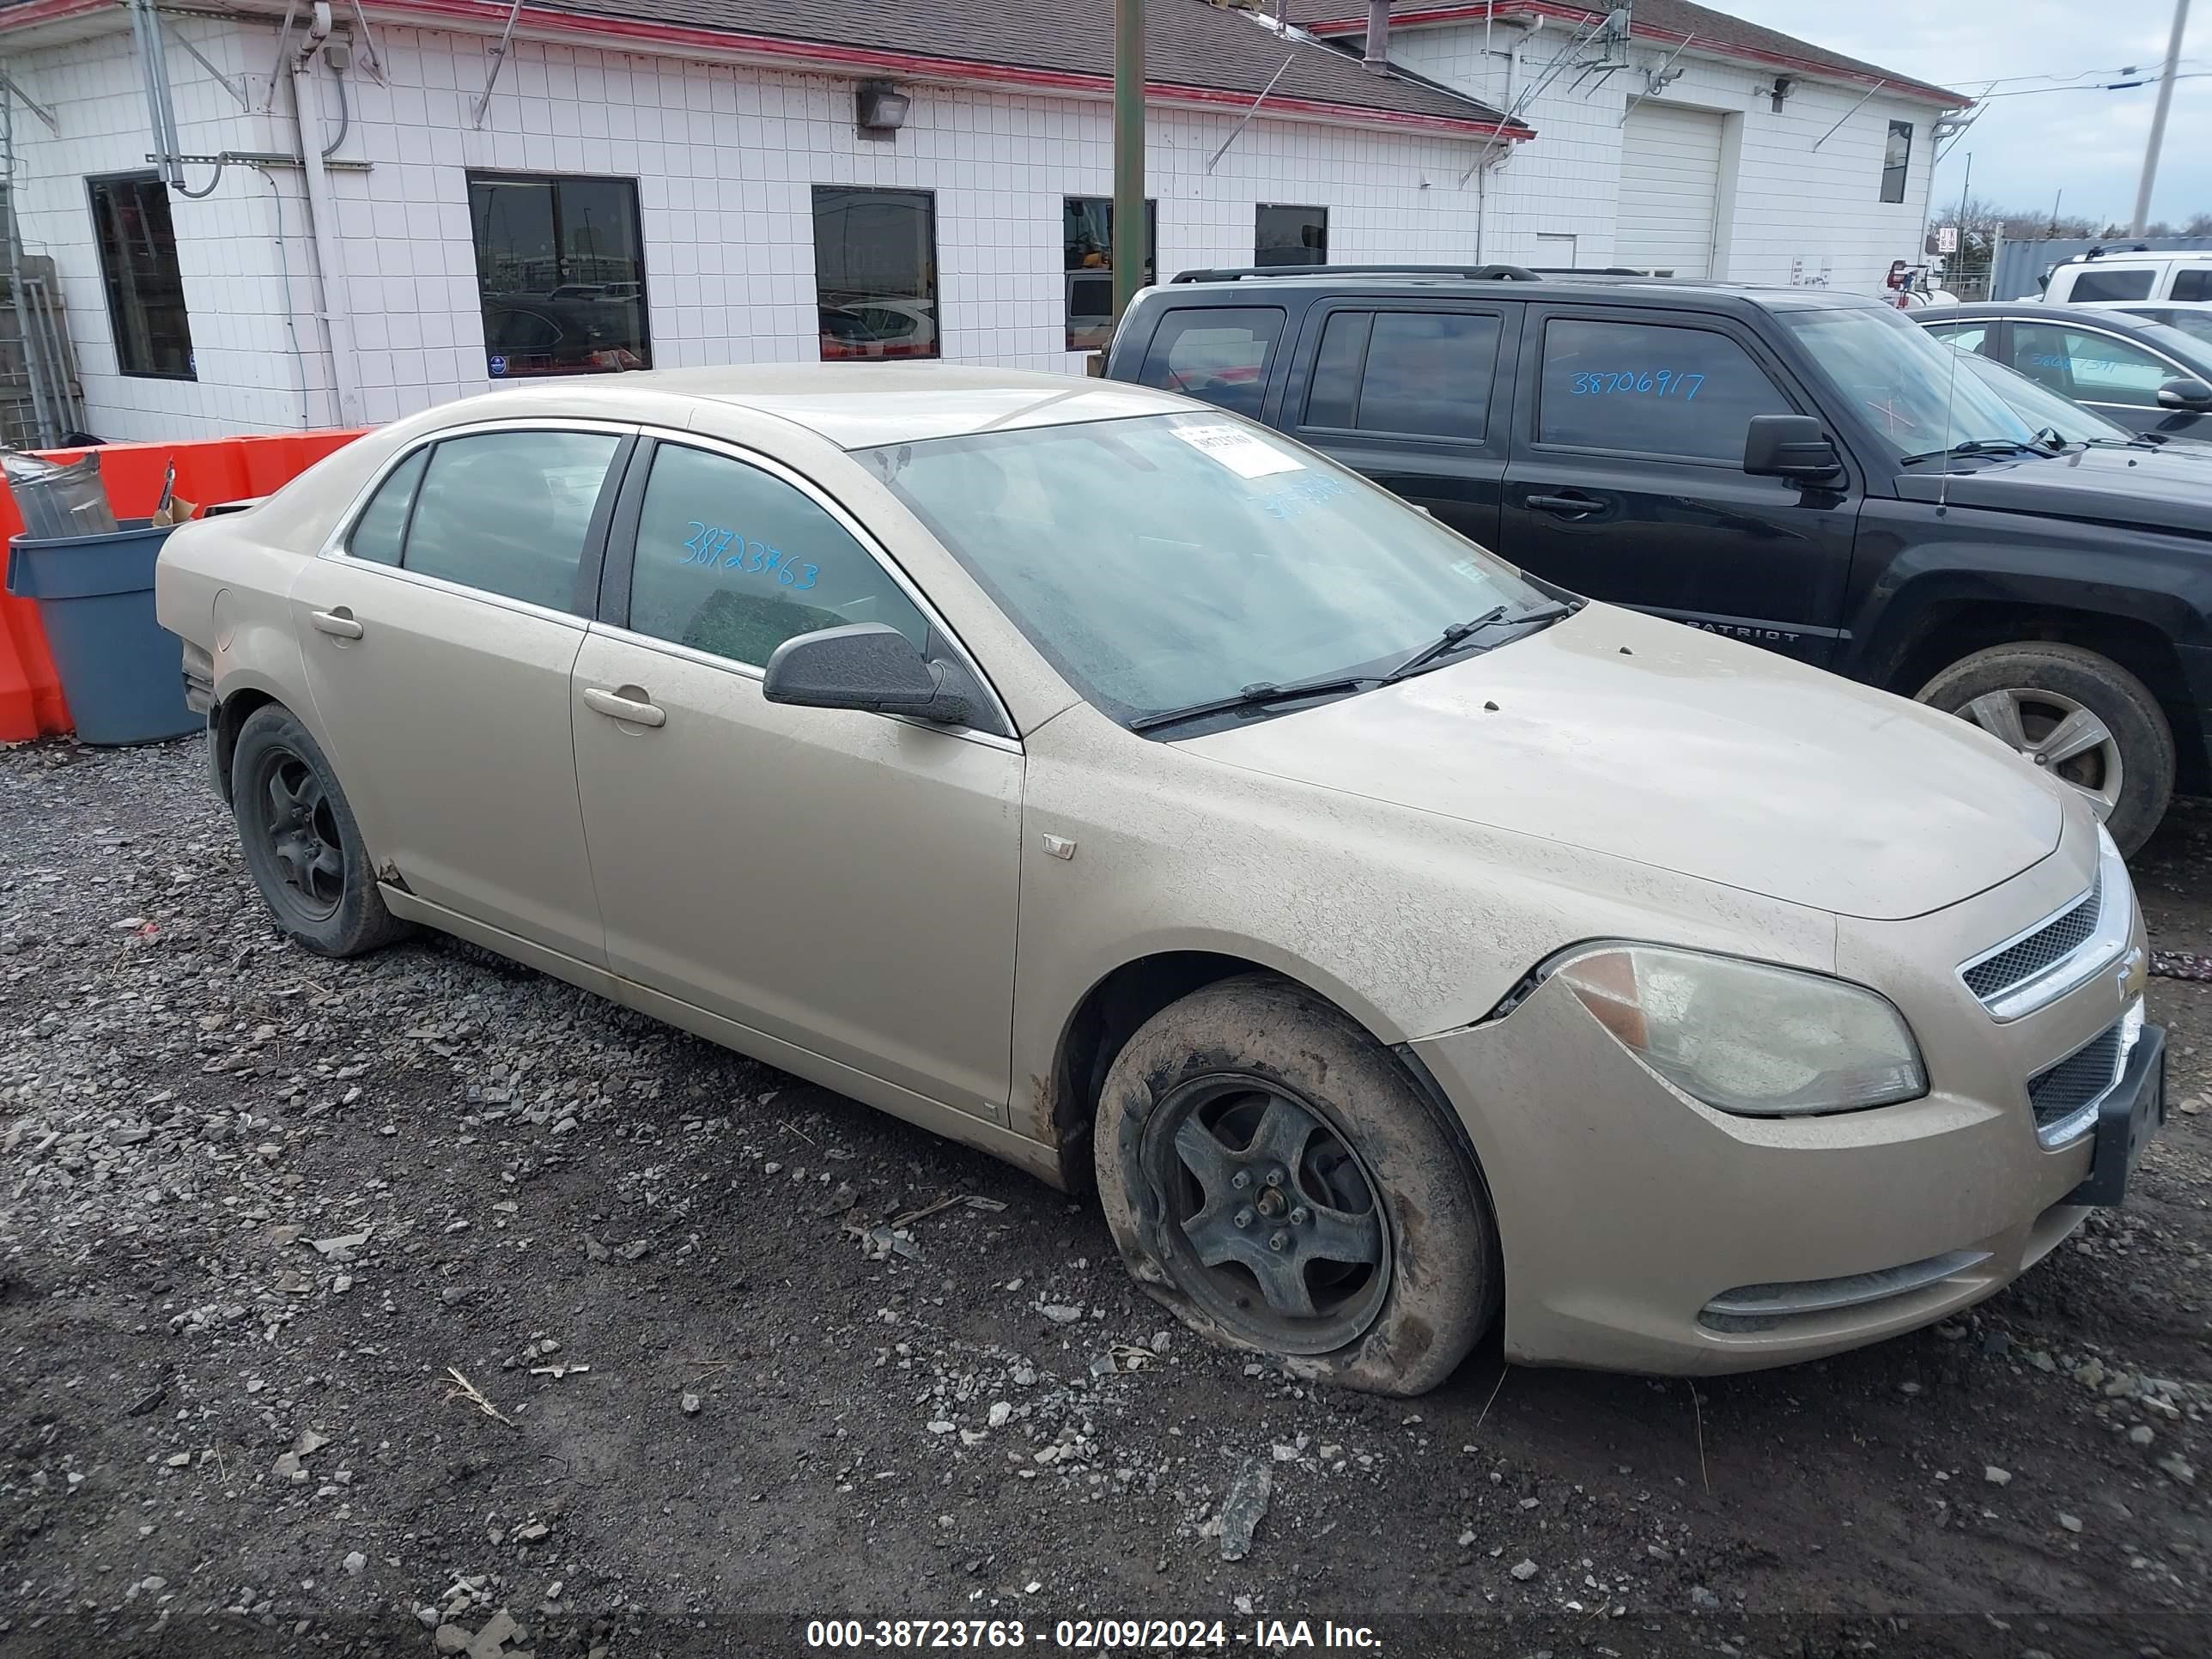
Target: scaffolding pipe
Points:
x,y
33,370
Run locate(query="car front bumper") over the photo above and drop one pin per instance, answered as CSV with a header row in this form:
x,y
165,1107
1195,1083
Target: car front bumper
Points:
x,y
1643,1231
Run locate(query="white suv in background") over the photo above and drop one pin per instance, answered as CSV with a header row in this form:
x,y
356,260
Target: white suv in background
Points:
x,y
2103,276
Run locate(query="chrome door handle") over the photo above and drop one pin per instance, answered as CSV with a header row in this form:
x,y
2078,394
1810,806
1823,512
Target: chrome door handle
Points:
x,y
338,624
631,711
1565,505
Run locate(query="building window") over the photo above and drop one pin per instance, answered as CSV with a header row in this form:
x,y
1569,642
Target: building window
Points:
x,y
561,274
1896,158
1086,239
139,268
875,272
1289,236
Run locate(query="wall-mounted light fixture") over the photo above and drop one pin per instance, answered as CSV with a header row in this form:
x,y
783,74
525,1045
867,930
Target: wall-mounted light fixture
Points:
x,y
879,109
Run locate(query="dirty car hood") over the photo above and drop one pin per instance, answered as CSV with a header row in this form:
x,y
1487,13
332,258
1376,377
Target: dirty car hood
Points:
x,y
1645,740
2133,487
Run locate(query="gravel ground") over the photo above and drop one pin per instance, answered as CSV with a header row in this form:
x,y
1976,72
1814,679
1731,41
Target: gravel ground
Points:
x,y
424,1304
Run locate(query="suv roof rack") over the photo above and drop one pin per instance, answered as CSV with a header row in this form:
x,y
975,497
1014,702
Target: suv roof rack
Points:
x,y
1480,273
2100,250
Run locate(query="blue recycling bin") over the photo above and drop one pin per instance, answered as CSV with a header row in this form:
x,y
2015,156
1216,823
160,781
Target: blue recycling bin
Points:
x,y
123,673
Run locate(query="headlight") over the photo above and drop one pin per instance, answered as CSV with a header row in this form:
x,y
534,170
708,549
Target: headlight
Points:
x,y
1758,1041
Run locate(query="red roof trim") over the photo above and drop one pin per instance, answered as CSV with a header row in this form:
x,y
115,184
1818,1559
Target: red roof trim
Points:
x,y
870,60
1476,12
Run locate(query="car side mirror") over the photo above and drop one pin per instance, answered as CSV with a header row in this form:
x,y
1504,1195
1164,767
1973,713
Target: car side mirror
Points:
x,y
1789,446
2186,392
870,666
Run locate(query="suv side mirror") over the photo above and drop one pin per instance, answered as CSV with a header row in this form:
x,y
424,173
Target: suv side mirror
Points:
x,y
2186,392
1789,446
870,666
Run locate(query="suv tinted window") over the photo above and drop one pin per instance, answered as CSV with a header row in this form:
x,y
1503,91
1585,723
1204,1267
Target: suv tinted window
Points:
x,y
2096,368
508,512
732,560
1649,388
1426,373
376,534
2194,285
1220,353
2109,285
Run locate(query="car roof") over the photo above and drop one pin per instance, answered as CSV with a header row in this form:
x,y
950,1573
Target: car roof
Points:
x,y
1253,286
853,405
2036,311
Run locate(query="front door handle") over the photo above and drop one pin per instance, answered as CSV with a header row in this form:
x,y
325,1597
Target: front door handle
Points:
x,y
338,624
629,705
1565,505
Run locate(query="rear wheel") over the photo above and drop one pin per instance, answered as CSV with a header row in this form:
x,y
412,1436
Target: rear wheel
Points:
x,y
1271,1174
302,847
2082,717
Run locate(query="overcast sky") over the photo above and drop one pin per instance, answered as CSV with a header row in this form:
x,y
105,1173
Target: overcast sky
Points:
x,y
2026,148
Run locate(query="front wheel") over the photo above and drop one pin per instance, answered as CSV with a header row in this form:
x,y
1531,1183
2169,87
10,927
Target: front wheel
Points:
x,y
1272,1176
2082,717
302,847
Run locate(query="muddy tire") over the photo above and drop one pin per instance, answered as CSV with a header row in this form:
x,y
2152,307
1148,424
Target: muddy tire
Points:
x,y
1271,1173
2092,724
302,847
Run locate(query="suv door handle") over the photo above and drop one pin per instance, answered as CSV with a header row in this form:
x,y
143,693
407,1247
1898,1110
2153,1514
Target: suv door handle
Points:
x,y
1567,505
338,624
630,710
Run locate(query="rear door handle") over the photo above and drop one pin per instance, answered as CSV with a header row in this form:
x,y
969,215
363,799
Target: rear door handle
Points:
x,y
629,710
338,624
1567,505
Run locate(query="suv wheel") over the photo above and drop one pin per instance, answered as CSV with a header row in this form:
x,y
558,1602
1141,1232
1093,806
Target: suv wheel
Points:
x,y
2090,722
302,847
1271,1175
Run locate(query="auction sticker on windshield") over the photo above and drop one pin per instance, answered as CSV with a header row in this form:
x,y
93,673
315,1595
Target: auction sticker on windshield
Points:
x,y
1244,454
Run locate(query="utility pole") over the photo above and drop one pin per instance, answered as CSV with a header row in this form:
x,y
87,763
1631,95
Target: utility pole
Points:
x,y
2158,116
1129,223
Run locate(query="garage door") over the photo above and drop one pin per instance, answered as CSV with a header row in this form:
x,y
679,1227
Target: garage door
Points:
x,y
1670,172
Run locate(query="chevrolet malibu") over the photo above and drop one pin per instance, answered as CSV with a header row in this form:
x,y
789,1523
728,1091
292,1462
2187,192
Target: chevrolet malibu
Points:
x,y
1402,945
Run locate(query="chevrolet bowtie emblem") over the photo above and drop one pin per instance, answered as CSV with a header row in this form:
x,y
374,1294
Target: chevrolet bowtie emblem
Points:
x,y
2134,974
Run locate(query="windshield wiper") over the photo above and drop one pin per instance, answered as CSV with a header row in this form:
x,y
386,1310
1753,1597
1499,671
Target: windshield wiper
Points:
x,y
1981,446
1458,632
1257,696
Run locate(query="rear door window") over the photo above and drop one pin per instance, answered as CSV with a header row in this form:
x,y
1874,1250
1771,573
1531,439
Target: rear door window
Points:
x,y
1222,353
508,512
1419,373
2192,284
2093,367
1967,336
1649,389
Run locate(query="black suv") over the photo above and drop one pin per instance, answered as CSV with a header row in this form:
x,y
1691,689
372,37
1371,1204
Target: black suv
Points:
x,y
1800,469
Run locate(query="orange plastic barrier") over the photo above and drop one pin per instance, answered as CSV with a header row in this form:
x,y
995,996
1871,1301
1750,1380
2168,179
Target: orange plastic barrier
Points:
x,y
208,471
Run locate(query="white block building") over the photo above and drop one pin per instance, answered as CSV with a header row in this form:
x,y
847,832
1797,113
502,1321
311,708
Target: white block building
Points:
x,y
361,210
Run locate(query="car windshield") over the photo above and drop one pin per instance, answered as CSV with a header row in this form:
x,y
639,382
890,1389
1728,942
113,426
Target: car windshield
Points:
x,y
2196,324
1901,380
1169,561
2040,406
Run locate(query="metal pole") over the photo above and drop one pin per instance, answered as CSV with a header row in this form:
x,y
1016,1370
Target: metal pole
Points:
x,y
1128,244
2158,116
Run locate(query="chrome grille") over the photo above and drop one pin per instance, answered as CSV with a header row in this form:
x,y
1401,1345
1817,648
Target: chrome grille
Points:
x,y
2076,1080
2024,959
